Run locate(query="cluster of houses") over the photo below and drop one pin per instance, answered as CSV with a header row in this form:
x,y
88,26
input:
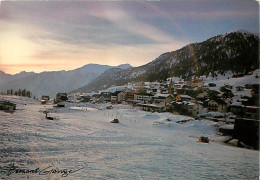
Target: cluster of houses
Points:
x,y
184,97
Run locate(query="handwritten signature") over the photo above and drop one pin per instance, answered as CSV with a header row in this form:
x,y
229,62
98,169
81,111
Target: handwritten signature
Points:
x,y
13,169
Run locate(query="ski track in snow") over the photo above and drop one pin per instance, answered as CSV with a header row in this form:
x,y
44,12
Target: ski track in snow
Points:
x,y
139,147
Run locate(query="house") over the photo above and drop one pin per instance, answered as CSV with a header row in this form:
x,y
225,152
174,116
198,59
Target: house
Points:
x,y
151,107
202,96
238,109
162,99
180,107
163,90
177,86
198,109
183,98
117,97
217,105
121,97
190,108
95,97
143,97
106,96
113,99
129,95
86,97
197,83
44,99
61,97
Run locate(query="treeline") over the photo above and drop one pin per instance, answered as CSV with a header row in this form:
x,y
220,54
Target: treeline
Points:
x,y
19,92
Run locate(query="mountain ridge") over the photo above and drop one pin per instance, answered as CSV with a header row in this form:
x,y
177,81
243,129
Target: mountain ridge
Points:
x,y
52,82
236,51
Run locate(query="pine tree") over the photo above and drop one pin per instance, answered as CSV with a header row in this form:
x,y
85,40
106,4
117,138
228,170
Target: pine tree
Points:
x,y
28,94
24,92
19,92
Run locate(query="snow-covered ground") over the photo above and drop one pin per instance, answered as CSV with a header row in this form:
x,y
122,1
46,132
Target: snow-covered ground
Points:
x,y
227,79
143,145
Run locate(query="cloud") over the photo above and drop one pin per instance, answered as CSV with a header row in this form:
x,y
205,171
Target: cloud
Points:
x,y
77,33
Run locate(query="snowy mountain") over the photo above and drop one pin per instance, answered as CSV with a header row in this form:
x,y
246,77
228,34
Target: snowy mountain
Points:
x,y
7,77
4,77
124,66
235,52
50,83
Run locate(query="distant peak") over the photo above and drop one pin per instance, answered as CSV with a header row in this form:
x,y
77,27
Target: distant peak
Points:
x,y
2,72
124,66
24,73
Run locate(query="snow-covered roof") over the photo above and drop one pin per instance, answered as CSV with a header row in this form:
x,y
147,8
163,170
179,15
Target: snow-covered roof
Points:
x,y
199,102
253,107
191,104
236,104
243,100
159,95
185,96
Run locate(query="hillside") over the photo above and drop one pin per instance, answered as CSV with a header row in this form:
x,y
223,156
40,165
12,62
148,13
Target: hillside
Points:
x,y
236,52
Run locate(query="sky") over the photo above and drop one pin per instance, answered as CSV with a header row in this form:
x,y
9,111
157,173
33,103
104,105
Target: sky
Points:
x,y
64,35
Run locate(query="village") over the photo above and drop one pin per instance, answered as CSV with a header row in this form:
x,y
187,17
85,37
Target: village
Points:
x,y
192,98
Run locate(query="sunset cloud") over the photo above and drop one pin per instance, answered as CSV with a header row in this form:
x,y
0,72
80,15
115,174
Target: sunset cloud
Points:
x,y
69,34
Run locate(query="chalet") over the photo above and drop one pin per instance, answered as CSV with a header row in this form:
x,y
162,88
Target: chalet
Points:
x,y
129,95
202,96
197,109
46,98
86,97
95,97
143,97
121,97
197,83
151,107
217,105
180,107
237,108
163,90
106,96
162,99
61,97
190,108
177,86
183,98
113,98
117,97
